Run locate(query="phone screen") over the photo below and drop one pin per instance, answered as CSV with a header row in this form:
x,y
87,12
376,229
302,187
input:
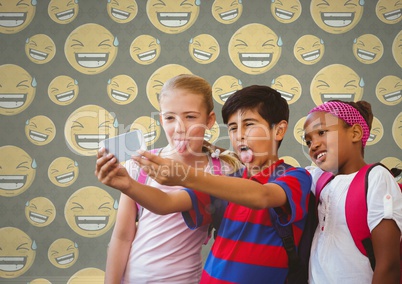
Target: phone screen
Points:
x,y
125,145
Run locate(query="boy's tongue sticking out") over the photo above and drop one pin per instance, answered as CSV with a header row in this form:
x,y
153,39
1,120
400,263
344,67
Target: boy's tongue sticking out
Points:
x,y
246,154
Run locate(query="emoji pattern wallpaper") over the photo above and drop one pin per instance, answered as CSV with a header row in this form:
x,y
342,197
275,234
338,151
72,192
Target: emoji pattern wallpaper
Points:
x,y
75,72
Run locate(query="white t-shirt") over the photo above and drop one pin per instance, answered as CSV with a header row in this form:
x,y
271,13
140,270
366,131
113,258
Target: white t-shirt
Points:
x,y
334,255
164,249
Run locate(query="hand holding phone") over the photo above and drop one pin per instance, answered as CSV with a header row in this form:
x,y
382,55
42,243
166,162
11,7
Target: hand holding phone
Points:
x,y
125,145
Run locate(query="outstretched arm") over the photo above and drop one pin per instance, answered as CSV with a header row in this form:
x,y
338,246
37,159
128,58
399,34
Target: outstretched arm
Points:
x,y
113,174
241,191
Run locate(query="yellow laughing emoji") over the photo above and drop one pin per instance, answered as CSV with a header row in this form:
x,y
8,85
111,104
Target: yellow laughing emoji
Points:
x,y
122,11
255,48
122,89
17,89
397,49
40,211
204,48
224,87
17,171
172,16
290,161
298,130
397,130
40,130
145,49
309,49
40,48
63,11
389,11
63,171
88,275
376,132
17,252
336,82
16,15
63,90
90,211
159,77
40,281
389,90
286,11
63,253
289,87
336,16
227,12
87,126
368,49
150,128
211,135
91,49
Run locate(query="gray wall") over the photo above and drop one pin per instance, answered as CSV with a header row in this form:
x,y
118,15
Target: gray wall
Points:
x,y
47,183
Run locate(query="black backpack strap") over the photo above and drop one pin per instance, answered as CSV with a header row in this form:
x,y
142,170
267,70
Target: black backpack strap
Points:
x,y
220,205
284,232
368,246
367,243
298,258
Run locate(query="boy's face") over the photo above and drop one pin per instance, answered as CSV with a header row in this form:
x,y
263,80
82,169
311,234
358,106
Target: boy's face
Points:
x,y
252,139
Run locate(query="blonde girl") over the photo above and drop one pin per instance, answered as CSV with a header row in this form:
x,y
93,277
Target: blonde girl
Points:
x,y
160,247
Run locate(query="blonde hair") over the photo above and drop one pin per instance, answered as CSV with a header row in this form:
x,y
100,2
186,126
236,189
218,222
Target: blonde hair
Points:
x,y
227,156
199,86
193,83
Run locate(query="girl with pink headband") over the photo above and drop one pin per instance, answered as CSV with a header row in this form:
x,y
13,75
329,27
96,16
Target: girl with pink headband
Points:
x,y
336,134
350,114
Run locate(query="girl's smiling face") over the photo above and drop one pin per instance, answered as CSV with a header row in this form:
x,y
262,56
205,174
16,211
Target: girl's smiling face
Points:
x,y
329,141
184,119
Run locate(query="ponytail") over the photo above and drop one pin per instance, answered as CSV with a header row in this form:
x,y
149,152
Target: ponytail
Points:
x,y
229,157
365,110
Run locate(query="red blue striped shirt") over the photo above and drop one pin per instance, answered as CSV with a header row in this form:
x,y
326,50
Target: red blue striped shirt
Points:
x,y
247,248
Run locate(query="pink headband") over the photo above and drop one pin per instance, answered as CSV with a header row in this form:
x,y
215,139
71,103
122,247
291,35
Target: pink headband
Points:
x,y
347,113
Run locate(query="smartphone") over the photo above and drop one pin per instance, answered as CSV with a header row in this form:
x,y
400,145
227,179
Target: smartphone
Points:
x,y
125,145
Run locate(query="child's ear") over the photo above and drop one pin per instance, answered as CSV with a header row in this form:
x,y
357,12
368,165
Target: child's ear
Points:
x,y
280,129
357,131
211,119
160,119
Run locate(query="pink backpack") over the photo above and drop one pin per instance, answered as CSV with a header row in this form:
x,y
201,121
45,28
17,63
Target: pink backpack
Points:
x,y
356,210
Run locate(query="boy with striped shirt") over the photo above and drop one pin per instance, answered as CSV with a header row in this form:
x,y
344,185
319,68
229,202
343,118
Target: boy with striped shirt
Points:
x,y
247,248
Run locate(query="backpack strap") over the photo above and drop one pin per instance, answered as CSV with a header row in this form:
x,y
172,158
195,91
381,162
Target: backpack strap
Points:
x,y
356,209
219,204
217,167
356,212
322,181
298,257
142,177
284,232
